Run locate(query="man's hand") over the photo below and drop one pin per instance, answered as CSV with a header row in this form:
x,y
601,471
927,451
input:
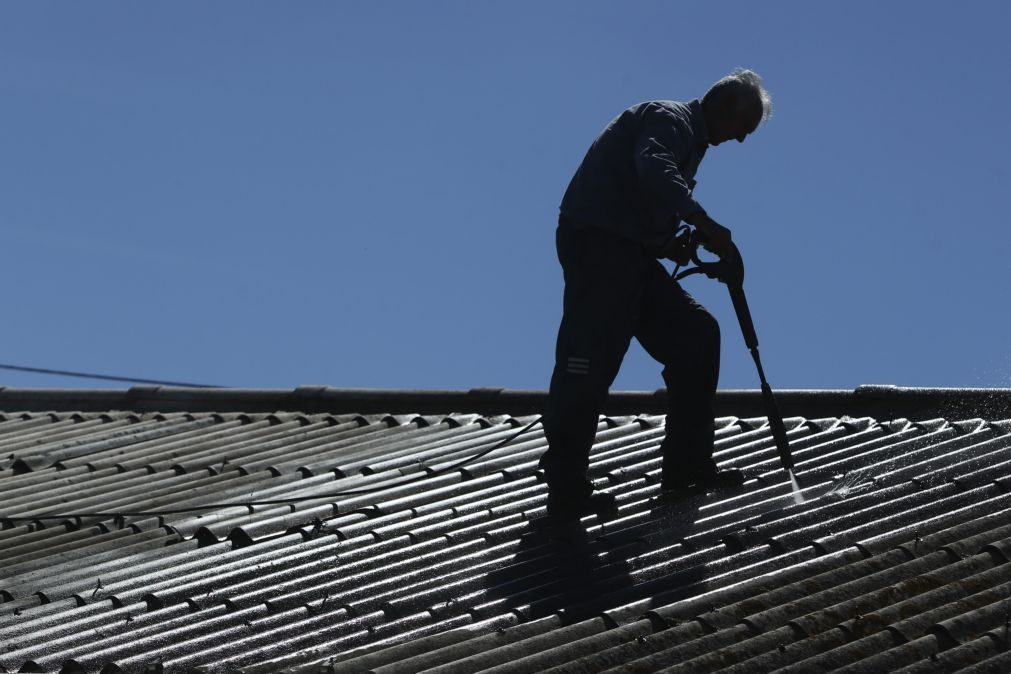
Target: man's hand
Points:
x,y
715,237
679,248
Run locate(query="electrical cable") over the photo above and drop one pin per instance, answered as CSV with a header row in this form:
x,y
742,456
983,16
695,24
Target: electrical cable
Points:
x,y
104,377
297,499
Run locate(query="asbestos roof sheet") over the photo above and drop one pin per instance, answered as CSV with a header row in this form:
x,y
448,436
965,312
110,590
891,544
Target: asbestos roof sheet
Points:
x,y
204,540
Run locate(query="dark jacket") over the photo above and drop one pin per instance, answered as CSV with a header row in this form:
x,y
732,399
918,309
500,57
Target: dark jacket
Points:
x,y
636,179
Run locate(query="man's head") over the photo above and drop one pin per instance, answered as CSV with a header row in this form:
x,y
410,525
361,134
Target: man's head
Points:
x,y
735,106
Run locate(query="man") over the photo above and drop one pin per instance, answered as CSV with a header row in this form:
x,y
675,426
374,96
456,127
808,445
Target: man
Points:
x,y
619,214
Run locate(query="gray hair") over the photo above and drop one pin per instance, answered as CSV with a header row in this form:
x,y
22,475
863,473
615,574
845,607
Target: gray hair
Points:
x,y
746,79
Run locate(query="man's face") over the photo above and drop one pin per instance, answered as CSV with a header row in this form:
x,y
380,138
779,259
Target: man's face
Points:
x,y
737,123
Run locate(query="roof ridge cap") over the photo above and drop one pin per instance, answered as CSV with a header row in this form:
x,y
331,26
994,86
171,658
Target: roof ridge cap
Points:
x,y
879,401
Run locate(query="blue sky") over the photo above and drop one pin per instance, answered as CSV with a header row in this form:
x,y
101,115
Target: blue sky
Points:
x,y
365,194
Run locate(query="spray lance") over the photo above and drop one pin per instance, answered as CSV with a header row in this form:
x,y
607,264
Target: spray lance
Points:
x,y
730,271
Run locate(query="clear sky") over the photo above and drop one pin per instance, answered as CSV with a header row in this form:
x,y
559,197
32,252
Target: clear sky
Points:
x,y
364,194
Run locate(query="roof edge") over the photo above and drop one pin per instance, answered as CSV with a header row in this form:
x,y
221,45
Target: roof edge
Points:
x,y
877,401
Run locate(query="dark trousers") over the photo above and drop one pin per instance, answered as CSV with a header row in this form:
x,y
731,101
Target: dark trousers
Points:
x,y
614,291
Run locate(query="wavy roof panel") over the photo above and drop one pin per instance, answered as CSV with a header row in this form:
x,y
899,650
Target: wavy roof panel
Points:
x,y
340,541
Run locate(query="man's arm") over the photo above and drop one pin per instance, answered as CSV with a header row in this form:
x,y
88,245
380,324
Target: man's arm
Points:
x,y
657,168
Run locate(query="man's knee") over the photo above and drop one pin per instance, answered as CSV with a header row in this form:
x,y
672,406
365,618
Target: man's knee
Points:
x,y
708,330
699,335
697,354
575,387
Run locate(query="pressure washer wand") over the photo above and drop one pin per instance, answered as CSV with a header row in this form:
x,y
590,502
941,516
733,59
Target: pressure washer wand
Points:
x,y
730,270
751,341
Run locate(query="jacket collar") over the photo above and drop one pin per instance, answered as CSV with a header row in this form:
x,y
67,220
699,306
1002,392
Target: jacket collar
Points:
x,y
698,121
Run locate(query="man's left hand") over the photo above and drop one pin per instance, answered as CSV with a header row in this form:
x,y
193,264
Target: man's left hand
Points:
x,y
714,237
679,248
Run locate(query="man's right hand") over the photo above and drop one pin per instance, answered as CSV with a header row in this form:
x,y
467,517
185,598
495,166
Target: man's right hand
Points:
x,y
715,237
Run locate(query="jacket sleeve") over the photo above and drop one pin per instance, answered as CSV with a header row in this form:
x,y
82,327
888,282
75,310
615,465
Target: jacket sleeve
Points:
x,y
656,153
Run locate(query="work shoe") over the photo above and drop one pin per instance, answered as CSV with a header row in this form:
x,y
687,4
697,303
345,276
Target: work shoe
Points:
x,y
707,478
567,507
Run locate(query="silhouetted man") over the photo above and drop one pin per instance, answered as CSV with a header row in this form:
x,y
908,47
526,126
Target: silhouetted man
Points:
x,y
618,216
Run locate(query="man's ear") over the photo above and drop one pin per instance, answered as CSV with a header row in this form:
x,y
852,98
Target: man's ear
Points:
x,y
728,104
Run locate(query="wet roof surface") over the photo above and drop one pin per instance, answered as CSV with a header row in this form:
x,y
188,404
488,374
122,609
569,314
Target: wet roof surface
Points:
x,y
895,558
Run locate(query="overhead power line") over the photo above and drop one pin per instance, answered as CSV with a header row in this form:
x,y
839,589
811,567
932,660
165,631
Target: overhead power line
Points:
x,y
104,377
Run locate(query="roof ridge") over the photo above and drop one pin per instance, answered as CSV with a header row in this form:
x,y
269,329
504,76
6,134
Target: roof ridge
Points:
x,y
880,401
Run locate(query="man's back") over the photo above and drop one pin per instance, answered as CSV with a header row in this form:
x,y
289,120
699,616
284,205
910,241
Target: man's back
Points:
x,y
639,172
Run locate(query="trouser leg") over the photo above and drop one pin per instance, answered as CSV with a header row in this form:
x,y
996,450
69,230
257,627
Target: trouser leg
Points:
x,y
602,290
679,333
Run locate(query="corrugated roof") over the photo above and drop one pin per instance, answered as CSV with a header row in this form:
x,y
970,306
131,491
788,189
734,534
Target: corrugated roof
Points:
x,y
898,559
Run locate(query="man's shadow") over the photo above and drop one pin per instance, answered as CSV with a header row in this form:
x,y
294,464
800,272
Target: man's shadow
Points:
x,y
580,568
